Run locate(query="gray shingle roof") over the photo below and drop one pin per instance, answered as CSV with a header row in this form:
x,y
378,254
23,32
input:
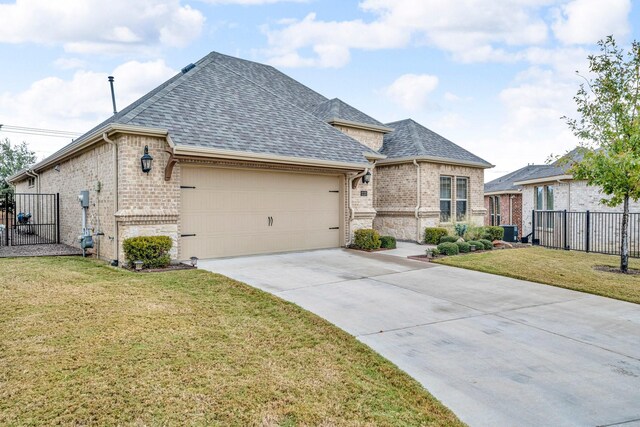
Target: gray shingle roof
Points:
x,y
411,139
506,182
337,109
233,104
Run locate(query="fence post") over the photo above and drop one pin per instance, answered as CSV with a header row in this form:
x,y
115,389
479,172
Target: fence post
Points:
x,y
58,218
6,219
533,227
565,231
587,231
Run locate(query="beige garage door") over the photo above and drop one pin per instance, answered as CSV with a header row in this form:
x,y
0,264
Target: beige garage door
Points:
x,y
228,212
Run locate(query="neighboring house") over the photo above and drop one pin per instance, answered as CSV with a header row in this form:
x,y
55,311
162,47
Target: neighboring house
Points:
x,y
545,188
247,160
503,198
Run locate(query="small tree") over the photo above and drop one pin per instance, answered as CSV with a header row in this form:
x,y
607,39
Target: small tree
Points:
x,y
609,130
13,158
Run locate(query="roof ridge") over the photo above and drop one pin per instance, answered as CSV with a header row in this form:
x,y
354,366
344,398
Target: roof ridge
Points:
x,y
293,105
180,79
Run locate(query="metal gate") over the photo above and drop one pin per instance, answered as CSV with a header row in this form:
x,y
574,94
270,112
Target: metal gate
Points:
x,y
29,219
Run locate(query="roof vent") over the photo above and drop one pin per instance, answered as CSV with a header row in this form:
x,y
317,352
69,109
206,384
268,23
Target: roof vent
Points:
x,y
188,67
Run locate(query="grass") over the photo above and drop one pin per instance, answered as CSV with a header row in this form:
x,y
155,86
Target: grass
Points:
x,y
82,343
565,269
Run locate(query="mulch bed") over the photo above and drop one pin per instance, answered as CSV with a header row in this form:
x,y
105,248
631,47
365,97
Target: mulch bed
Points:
x,y
609,269
170,267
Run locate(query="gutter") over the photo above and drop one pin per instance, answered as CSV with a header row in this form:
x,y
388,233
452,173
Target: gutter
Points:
x,y
435,159
116,169
36,177
554,178
418,194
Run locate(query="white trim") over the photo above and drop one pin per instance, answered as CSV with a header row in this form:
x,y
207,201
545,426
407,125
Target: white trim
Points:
x,y
433,159
555,178
498,193
357,125
194,151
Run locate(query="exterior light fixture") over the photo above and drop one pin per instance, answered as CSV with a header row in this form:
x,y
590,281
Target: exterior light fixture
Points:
x,y
366,178
146,160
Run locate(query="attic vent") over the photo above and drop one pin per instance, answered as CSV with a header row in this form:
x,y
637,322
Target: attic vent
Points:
x,y
188,67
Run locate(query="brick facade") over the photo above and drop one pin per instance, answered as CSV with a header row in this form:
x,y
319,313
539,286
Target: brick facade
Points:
x,y
371,139
510,210
396,197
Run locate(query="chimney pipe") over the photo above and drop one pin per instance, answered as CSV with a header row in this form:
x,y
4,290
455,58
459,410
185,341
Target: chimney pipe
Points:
x,y
113,95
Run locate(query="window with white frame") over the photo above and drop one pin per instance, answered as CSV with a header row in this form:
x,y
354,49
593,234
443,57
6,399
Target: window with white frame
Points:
x,y
445,198
462,194
494,210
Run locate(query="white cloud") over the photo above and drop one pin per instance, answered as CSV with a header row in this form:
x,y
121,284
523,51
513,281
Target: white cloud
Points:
x,y
69,63
79,103
451,97
95,25
587,21
411,91
252,2
470,31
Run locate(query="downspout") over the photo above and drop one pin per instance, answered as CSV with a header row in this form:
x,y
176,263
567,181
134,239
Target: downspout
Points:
x,y
349,194
114,262
418,194
35,176
511,209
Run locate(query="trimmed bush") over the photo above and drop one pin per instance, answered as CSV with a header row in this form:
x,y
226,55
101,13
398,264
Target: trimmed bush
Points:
x,y
474,233
494,232
434,251
449,239
367,239
388,242
448,248
153,251
487,244
479,245
464,247
432,235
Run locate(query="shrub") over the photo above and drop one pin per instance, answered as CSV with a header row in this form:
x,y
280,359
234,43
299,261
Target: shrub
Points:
x,y
460,229
494,232
487,244
474,233
432,235
388,242
448,248
433,251
464,247
366,238
153,251
449,239
479,245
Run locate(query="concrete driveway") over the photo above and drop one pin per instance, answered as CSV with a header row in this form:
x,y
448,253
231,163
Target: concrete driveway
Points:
x,y
497,351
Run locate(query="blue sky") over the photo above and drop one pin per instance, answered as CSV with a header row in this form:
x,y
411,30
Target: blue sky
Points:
x,y
493,76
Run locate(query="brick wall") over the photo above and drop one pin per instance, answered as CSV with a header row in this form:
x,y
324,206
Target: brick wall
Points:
x,y
510,210
396,197
371,139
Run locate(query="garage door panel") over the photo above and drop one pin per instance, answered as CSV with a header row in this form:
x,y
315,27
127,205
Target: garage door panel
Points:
x,y
228,212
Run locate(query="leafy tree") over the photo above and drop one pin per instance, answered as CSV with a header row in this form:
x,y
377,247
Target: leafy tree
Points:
x,y
609,129
13,158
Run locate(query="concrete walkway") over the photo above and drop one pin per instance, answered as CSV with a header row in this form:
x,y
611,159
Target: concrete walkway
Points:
x,y
497,351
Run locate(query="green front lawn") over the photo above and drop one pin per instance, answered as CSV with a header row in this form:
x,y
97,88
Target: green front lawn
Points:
x,y
565,269
85,344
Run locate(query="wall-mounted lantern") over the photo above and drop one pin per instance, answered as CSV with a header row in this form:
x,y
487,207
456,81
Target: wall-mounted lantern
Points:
x,y
146,160
366,178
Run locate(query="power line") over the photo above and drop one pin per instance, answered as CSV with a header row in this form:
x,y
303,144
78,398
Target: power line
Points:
x,y
38,131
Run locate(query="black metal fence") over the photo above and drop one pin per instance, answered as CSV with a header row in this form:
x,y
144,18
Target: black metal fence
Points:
x,y
29,219
599,232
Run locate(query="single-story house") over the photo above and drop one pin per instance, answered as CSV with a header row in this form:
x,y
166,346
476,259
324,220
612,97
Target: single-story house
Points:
x,y
548,187
247,160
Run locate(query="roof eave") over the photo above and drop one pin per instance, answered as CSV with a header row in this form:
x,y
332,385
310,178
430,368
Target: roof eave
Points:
x,y
357,125
434,159
499,192
542,180
207,152
84,142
